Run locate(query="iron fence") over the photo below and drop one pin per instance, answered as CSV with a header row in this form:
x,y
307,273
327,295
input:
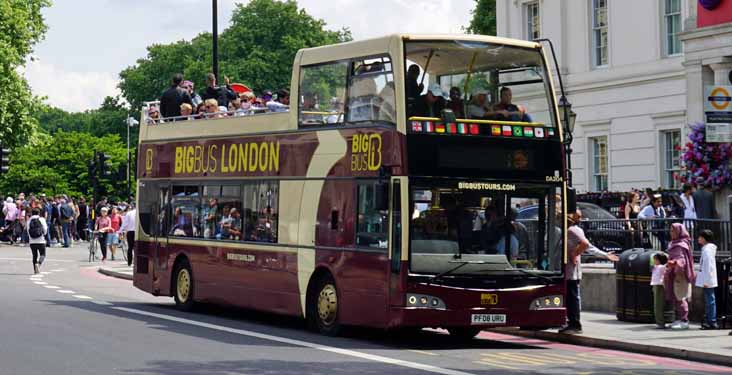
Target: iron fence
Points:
x,y
620,234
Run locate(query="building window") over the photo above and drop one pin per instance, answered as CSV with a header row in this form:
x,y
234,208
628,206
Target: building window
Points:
x,y
598,161
672,26
599,33
532,21
671,143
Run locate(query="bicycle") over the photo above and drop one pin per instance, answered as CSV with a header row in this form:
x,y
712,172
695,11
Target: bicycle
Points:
x,y
122,246
93,244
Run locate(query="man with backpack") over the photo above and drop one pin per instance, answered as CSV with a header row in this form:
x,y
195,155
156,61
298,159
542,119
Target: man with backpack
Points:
x,y
37,229
66,214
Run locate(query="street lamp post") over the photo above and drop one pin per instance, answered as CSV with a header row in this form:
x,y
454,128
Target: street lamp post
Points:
x,y
130,123
569,117
215,41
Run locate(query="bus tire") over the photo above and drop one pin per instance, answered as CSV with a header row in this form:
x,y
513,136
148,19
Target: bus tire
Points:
x,y
323,307
183,286
464,333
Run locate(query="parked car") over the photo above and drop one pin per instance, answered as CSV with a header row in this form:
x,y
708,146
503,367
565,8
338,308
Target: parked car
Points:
x,y
601,227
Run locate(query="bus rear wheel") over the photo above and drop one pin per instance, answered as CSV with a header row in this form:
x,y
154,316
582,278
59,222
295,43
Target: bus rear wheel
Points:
x,y
464,333
183,286
323,308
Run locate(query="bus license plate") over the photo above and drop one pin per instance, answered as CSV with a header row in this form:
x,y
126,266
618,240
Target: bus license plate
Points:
x,y
488,319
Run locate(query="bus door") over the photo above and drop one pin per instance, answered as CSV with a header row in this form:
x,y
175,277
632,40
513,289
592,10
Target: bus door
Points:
x,y
160,240
397,249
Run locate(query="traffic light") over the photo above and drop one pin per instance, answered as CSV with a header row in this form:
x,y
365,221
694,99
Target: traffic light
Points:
x,y
104,165
4,160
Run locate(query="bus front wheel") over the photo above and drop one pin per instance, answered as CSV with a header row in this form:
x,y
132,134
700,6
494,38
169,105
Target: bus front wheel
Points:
x,y
183,286
323,307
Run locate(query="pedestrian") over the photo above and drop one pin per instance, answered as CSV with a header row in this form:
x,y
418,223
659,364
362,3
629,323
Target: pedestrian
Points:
x,y
112,238
104,226
659,296
577,244
66,216
707,278
704,202
688,200
657,214
83,220
679,274
37,229
129,222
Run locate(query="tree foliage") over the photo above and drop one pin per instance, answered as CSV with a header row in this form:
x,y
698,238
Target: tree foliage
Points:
x,y
58,164
109,118
21,27
484,18
257,49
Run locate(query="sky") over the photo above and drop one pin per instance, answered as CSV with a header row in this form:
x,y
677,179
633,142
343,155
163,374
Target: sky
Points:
x,y
89,42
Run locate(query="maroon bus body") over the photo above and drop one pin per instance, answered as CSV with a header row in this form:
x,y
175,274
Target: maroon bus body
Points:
x,y
369,293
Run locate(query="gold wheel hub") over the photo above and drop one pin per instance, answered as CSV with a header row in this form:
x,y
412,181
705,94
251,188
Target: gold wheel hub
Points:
x,y
328,305
183,285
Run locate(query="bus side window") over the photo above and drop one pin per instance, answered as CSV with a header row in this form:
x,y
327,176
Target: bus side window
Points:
x,y
371,221
322,94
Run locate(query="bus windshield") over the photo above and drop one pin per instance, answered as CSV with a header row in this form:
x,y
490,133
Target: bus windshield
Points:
x,y
493,226
477,80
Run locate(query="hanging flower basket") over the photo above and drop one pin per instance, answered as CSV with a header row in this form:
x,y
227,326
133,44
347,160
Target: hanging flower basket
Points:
x,y
705,163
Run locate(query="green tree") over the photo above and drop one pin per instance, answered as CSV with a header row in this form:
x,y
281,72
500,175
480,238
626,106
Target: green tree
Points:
x,y
109,118
484,18
21,27
58,164
257,49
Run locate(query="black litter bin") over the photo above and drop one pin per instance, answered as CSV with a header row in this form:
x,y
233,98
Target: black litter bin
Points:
x,y
724,293
634,292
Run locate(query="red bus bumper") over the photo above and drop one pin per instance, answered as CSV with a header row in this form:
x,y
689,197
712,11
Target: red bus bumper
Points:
x,y
445,318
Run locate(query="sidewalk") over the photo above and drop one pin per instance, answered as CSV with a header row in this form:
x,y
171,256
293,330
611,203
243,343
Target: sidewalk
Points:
x,y
605,331
120,270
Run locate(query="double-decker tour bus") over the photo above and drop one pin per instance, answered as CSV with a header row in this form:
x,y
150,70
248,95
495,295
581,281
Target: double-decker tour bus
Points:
x,y
375,200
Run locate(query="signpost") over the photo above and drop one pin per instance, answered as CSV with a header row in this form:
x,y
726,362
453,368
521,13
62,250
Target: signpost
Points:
x,y
718,113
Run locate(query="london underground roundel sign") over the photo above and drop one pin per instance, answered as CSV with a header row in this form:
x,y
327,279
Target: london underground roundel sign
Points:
x,y
709,4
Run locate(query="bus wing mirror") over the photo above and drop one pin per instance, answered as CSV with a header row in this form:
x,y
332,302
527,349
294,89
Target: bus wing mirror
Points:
x,y
571,200
381,196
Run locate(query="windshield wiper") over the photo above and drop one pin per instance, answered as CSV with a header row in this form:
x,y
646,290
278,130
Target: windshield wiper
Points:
x,y
459,266
547,280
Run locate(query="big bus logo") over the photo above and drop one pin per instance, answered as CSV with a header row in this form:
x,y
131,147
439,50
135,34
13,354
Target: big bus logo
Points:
x,y
366,152
149,160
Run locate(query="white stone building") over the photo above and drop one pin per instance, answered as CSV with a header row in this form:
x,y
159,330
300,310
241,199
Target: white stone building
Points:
x,y
634,72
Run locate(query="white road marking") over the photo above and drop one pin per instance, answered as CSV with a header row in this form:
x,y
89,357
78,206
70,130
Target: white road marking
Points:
x,y
40,282
45,273
103,303
64,291
51,286
347,352
81,296
58,270
47,260
421,352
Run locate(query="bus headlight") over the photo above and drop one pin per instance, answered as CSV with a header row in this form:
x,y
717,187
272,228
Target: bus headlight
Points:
x,y
548,302
424,301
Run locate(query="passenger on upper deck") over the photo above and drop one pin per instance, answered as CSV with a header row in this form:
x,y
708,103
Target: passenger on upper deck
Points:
x,y
456,104
195,98
173,97
186,110
414,90
478,108
222,94
507,111
154,114
432,103
282,104
212,109
309,107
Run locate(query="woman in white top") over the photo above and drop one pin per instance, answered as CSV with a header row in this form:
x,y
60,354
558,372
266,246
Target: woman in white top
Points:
x,y
689,208
707,278
37,229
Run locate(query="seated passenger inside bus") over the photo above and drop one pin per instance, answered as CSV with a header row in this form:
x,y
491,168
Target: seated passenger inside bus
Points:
x,y
456,104
479,107
310,109
432,103
505,110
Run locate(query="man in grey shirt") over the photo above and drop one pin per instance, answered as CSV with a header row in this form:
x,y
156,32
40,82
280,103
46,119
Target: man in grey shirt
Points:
x,y
577,244
704,203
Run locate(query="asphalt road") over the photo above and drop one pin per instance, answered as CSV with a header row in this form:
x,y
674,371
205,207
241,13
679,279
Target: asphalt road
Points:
x,y
73,320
